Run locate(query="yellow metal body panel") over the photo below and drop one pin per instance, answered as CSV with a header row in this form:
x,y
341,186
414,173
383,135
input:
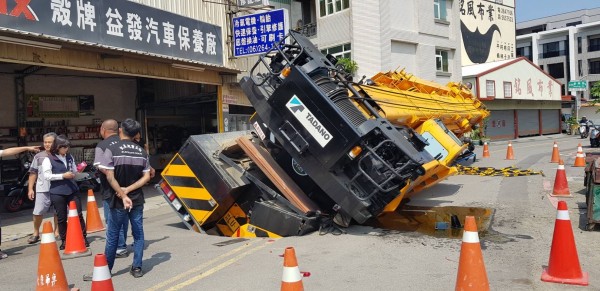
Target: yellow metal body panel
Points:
x,y
436,170
192,193
410,101
249,230
232,220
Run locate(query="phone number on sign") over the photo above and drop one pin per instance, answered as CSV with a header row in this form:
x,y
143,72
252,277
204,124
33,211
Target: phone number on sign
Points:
x,y
253,49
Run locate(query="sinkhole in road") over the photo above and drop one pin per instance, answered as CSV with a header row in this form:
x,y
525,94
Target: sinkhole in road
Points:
x,y
434,221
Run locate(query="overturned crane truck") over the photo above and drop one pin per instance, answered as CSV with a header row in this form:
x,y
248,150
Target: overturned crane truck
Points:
x,y
320,152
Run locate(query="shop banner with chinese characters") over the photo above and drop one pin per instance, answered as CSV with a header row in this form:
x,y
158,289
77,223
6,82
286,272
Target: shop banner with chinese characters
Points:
x,y
488,30
117,23
255,33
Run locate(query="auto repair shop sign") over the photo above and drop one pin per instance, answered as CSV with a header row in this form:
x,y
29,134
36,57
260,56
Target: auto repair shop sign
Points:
x,y
117,23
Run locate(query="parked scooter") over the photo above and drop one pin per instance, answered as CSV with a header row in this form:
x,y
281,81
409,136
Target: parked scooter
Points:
x,y
583,130
17,198
594,135
88,178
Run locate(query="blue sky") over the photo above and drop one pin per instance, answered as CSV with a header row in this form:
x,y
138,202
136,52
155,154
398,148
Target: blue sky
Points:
x,y
532,9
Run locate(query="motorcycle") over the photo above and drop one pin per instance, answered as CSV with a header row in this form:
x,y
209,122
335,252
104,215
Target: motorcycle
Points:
x,y
595,135
583,130
17,197
88,178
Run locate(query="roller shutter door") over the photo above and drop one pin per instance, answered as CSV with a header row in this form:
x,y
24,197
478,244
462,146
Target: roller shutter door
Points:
x,y
501,125
550,121
529,122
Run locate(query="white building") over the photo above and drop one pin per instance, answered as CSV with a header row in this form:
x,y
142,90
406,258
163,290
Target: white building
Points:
x,y
523,100
422,36
567,46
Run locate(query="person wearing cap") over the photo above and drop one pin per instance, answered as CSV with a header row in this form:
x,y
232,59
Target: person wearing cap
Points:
x,y
11,152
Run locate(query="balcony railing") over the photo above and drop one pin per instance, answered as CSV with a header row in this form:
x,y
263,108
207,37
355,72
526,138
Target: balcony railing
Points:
x,y
551,54
308,30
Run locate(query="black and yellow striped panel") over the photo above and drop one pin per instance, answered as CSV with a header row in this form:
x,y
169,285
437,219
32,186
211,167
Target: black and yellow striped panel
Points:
x,y
231,221
195,198
249,230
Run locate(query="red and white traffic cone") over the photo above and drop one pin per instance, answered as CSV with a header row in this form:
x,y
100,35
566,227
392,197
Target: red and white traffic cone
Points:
x,y
291,280
555,155
563,265
471,273
561,186
580,158
101,278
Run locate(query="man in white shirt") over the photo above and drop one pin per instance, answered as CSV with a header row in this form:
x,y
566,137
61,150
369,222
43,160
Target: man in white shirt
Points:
x,y
10,152
42,189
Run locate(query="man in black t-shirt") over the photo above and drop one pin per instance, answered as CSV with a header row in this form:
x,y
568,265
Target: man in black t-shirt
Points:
x,y
109,130
127,170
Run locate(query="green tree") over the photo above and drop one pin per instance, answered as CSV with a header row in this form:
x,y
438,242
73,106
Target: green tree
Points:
x,y
595,91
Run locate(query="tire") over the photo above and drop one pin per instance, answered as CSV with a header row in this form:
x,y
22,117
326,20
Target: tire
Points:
x,y
14,201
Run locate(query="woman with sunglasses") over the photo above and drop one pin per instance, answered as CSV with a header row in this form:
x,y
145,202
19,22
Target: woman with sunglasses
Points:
x,y
59,169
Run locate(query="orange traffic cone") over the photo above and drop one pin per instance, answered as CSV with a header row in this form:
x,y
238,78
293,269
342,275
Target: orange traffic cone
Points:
x,y
291,279
580,158
486,150
555,154
75,244
93,223
561,187
101,278
510,155
50,275
563,265
471,269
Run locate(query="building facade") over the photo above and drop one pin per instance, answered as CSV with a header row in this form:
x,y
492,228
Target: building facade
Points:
x,y
423,37
566,46
523,100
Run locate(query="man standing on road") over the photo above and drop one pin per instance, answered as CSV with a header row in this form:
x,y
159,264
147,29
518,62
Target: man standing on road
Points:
x,y
10,152
42,188
109,132
127,170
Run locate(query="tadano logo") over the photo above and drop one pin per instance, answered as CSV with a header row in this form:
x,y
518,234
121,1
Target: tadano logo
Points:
x,y
309,121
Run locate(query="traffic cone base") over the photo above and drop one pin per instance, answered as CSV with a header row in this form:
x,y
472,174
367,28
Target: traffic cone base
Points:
x,y
101,278
583,281
93,223
561,186
291,280
555,155
471,268
51,274
563,264
75,244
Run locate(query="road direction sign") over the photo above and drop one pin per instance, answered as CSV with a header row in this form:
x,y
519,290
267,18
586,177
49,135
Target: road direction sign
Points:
x,y
577,85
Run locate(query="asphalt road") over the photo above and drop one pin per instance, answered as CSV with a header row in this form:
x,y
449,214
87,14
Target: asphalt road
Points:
x,y
515,246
